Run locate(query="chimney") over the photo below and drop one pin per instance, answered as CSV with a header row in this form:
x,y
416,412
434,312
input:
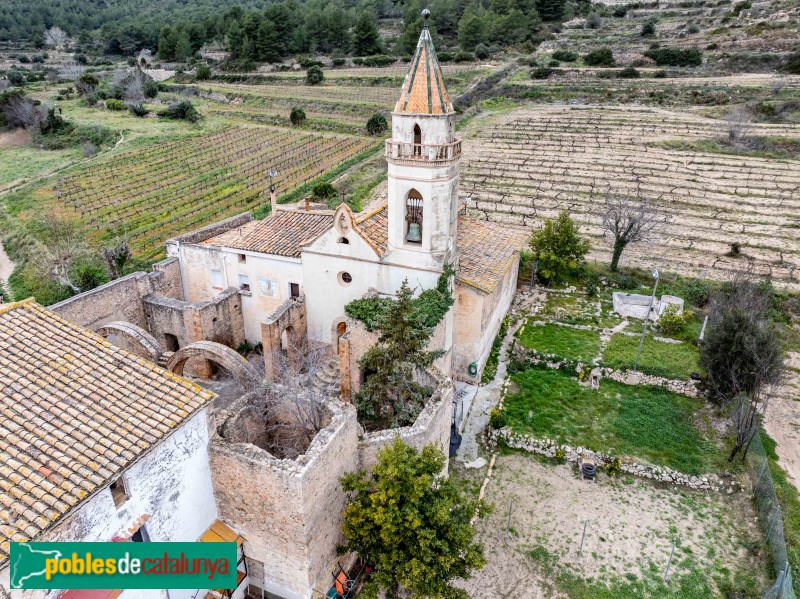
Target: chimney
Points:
x,y
273,199
308,204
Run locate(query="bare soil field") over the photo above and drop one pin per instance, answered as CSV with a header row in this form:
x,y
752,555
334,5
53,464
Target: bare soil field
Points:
x,y
631,527
532,163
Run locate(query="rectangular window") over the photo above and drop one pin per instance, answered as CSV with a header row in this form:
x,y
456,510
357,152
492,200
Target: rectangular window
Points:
x,y
216,279
294,290
118,492
244,283
242,259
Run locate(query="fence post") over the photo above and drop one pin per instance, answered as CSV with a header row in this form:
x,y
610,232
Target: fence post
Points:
x,y
772,524
669,561
583,536
779,584
508,524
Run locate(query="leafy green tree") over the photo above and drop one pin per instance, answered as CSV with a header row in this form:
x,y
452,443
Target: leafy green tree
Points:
x,y
203,72
559,248
366,39
183,47
413,525
390,397
377,124
550,10
471,30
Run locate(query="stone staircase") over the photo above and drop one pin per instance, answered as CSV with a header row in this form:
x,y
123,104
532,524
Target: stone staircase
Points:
x,y
326,380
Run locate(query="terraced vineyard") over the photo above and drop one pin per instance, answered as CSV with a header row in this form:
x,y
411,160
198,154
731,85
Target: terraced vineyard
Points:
x,y
173,187
533,163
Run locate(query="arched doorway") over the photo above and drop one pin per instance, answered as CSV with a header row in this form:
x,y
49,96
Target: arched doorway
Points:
x,y
137,340
221,355
287,337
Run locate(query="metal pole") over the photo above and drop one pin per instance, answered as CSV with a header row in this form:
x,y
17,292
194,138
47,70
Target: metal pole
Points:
x,y
508,524
779,584
583,536
669,561
644,330
772,524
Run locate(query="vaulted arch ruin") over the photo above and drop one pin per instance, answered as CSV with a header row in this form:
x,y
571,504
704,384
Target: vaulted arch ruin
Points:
x,y
138,340
221,355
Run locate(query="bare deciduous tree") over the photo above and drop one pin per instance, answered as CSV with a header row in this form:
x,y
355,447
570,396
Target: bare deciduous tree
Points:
x,y
54,260
738,126
117,254
71,71
55,37
21,111
630,217
292,408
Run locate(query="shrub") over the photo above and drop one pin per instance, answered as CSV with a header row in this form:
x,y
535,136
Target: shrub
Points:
x,y
323,191
676,57
565,56
648,28
137,109
482,51
462,56
740,6
620,12
736,249
379,60
497,418
792,65
314,75
183,110
203,72
377,124
602,57
660,75
337,62
593,21
297,116
113,104
561,455
692,28
629,73
614,467
16,79
541,73
307,63
697,292
671,322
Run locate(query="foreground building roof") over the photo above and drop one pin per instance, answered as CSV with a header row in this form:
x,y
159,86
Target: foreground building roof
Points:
x,y
283,233
423,89
486,251
75,410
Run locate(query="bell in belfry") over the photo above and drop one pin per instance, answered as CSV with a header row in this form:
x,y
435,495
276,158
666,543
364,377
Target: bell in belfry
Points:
x,y
414,233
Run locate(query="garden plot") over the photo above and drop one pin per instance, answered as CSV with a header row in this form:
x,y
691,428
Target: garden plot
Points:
x,y
531,164
631,527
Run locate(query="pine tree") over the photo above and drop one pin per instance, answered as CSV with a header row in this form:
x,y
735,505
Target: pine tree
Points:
x,y
166,43
390,397
550,10
268,43
183,47
366,39
414,525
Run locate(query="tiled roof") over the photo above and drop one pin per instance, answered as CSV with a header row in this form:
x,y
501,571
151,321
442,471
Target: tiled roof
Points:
x,y
374,226
283,233
74,411
423,89
486,251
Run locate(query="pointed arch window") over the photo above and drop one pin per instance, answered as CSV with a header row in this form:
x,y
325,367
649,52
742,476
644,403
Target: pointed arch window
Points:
x,y
414,217
417,140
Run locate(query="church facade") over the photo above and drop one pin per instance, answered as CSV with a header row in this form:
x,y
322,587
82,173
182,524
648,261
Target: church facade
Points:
x,y
330,258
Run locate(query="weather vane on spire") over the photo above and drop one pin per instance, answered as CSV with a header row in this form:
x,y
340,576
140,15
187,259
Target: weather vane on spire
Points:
x,y
426,15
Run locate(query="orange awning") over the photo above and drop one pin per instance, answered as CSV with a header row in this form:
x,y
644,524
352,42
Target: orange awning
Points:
x,y
219,532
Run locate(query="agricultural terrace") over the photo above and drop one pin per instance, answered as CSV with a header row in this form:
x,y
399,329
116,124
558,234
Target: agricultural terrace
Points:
x,y
164,189
533,163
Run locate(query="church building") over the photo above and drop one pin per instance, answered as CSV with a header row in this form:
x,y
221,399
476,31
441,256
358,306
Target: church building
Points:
x,y
325,259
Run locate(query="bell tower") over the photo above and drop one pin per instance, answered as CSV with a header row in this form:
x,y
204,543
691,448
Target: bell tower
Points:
x,y
422,156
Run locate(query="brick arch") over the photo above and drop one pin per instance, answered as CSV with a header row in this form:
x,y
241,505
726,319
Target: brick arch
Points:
x,y
142,342
219,354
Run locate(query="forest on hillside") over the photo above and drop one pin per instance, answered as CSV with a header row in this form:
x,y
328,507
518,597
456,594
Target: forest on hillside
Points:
x,y
263,31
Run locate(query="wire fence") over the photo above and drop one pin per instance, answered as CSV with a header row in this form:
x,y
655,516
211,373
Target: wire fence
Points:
x,y
770,516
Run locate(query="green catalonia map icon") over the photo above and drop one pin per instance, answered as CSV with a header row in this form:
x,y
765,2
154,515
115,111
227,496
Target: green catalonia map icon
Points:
x,y
27,562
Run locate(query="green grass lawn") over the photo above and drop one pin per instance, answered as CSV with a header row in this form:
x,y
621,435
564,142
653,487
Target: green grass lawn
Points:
x,y
668,360
649,423
565,342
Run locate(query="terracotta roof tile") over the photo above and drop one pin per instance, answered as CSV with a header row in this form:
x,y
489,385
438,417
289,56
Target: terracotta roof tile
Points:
x,y
74,411
374,226
486,251
283,233
423,89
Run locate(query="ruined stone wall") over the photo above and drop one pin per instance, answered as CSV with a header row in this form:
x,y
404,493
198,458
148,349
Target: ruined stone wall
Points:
x,y
288,511
121,300
291,317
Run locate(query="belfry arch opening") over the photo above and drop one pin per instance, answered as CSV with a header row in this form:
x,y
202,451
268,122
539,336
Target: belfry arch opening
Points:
x,y
417,140
413,232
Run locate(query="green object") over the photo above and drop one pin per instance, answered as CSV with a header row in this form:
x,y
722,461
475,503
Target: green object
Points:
x,y
414,233
473,369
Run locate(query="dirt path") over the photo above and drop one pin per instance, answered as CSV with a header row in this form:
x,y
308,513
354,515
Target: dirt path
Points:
x,y
783,422
6,267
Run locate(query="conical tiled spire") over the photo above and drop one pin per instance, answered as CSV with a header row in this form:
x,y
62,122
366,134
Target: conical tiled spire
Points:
x,y
423,90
